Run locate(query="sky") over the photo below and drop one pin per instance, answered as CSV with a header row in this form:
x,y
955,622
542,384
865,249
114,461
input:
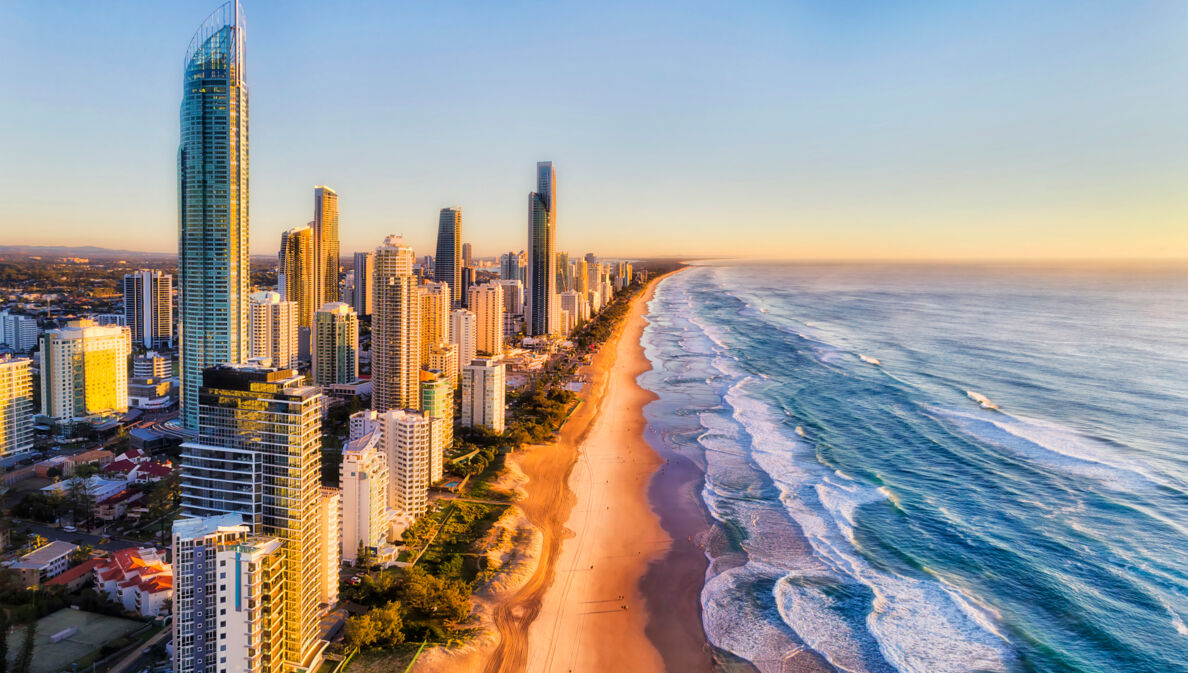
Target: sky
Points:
x,y
812,129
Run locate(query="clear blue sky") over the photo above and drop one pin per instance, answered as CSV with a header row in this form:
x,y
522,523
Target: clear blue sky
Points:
x,y
799,129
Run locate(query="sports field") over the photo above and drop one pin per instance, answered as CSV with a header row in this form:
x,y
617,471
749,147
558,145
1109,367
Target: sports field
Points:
x,y
92,632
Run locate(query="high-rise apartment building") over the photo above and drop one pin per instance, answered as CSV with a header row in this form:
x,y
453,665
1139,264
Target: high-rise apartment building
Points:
x,y
576,305
364,481
467,281
295,272
435,301
513,296
212,171
364,295
257,454
148,308
437,404
486,302
509,266
326,253
407,443
330,544
273,329
84,370
18,332
447,265
540,309
395,329
444,358
335,345
463,336
484,394
152,365
467,255
228,598
16,405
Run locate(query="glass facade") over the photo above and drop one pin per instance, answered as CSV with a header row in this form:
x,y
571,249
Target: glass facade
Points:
x,y
542,269
212,171
447,265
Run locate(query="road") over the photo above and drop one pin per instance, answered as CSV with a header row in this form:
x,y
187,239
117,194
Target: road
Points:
x,y
52,533
139,653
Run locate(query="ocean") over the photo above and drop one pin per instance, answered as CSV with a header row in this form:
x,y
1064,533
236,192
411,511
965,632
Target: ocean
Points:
x,y
934,469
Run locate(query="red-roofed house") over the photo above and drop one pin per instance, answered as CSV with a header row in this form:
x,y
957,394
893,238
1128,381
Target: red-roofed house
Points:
x,y
135,456
116,506
138,579
147,473
77,577
120,466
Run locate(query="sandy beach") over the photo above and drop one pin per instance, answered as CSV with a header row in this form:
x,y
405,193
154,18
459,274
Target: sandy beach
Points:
x,y
587,493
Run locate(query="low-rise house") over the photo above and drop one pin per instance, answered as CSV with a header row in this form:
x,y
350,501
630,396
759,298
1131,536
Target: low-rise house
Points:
x,y
81,575
116,506
138,579
44,563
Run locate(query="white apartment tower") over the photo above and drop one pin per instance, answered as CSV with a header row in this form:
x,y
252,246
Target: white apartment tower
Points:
x,y
462,335
483,394
407,445
395,329
335,344
486,302
330,549
364,481
273,324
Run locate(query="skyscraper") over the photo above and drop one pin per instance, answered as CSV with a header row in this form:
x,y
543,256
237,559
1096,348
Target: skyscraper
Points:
x,y
84,370
483,394
437,404
257,454
273,328
395,329
364,480
212,174
467,258
447,265
364,283
435,314
295,272
330,545
335,345
486,302
407,443
325,236
509,266
16,405
462,335
540,310
148,308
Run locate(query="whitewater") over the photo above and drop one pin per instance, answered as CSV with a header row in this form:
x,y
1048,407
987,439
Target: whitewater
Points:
x,y
934,469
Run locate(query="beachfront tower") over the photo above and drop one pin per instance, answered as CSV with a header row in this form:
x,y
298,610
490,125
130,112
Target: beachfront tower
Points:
x,y
395,329
542,269
483,394
295,272
325,237
212,178
335,344
447,265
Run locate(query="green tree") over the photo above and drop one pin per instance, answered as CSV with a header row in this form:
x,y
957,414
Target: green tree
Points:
x,y
363,556
382,627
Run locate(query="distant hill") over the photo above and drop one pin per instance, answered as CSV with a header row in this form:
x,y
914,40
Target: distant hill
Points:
x,y
94,252
89,251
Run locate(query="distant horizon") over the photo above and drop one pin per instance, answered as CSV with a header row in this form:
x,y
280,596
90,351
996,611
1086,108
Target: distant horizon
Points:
x,y
115,253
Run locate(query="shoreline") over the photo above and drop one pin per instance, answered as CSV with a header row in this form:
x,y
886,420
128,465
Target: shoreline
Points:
x,y
587,495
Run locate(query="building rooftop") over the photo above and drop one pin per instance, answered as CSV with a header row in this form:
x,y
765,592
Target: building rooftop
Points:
x,y
202,526
43,555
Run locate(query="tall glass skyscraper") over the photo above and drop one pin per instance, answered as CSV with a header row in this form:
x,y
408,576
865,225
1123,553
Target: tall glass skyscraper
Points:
x,y
540,289
447,265
212,174
325,234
